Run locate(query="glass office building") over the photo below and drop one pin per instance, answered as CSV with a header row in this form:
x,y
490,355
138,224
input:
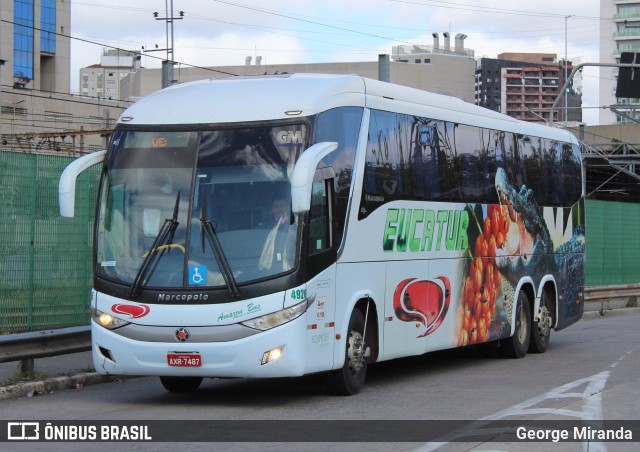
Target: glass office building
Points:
x,y
23,16
24,34
48,26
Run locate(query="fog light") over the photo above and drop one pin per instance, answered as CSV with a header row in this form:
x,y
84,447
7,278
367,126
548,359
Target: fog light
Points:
x,y
271,355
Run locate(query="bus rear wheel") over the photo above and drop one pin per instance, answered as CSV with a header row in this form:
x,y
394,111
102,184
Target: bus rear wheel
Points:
x,y
349,379
517,345
181,384
541,330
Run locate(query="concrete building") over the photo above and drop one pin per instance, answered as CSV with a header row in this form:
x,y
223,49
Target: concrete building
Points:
x,y
37,112
619,32
103,80
422,54
453,77
526,89
442,70
530,58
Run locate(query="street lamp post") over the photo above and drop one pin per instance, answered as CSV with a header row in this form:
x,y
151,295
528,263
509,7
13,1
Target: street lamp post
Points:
x,y
1,64
13,116
13,119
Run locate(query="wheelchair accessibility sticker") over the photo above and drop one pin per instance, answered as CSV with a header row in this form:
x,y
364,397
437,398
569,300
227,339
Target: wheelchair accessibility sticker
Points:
x,y
198,275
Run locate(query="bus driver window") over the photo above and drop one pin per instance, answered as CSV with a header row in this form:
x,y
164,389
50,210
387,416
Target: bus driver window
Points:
x,y
279,247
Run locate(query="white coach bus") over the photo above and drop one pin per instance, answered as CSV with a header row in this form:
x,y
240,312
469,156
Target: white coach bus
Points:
x,y
284,225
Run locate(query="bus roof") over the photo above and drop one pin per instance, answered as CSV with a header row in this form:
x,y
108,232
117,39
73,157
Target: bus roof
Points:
x,y
272,97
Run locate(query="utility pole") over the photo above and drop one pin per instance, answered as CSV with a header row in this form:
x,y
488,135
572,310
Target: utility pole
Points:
x,y
566,66
167,65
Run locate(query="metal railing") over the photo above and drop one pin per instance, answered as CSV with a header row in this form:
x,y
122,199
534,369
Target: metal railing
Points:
x,y
43,344
608,292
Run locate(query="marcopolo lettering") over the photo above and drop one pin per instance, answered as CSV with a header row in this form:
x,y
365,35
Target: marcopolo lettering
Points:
x,y
182,297
417,230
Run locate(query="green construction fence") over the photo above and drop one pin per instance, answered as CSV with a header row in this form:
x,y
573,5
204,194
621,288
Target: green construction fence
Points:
x,y
613,243
45,259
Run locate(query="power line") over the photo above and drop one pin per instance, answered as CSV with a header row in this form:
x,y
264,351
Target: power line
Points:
x,y
41,94
287,16
112,47
489,9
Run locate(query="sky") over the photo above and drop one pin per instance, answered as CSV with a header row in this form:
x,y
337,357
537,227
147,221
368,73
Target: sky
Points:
x,y
225,32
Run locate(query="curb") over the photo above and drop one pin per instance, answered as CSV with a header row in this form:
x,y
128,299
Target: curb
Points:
x,y
609,313
33,388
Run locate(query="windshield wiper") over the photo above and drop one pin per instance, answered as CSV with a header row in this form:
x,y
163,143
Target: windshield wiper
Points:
x,y
152,258
218,252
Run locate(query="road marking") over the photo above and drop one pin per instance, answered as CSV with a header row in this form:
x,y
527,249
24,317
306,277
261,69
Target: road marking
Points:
x,y
591,410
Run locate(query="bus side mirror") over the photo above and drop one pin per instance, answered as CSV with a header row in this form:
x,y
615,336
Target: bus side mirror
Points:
x,y
303,173
67,183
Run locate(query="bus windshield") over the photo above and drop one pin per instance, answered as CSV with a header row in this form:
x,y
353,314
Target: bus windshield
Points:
x,y
208,208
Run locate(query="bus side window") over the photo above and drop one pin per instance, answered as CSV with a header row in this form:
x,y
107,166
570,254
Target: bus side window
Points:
x,y
320,237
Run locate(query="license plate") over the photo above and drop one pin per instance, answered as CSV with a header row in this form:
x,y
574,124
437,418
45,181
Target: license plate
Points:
x,y
184,359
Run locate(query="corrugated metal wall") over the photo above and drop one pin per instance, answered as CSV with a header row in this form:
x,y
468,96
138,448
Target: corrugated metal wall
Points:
x,y
45,260
613,243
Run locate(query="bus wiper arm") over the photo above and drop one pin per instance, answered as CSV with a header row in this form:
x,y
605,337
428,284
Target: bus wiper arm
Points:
x,y
218,252
167,230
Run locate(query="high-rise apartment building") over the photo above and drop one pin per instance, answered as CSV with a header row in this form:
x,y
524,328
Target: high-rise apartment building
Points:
x,y
525,86
619,32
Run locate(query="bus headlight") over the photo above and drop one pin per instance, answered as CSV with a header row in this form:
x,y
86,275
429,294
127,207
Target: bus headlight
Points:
x,y
266,322
107,320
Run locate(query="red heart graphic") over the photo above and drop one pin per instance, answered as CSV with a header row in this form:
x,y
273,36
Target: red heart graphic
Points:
x,y
422,301
133,311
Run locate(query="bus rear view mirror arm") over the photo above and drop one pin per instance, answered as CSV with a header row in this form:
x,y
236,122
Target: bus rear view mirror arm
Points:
x,y
67,184
303,172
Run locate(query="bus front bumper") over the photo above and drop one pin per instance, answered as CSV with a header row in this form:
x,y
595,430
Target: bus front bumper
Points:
x,y
278,352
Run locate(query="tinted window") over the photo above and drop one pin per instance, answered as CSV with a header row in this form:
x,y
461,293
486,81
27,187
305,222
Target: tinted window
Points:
x,y
387,175
417,158
572,171
341,125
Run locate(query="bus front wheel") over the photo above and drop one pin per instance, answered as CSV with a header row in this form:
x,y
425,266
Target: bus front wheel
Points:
x,y
349,379
181,384
517,345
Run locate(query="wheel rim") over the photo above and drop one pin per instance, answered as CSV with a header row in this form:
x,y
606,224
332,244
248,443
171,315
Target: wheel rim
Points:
x,y
521,325
355,353
544,324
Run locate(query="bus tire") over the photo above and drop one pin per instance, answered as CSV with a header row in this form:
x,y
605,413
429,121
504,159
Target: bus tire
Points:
x,y
541,330
349,379
517,345
181,384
